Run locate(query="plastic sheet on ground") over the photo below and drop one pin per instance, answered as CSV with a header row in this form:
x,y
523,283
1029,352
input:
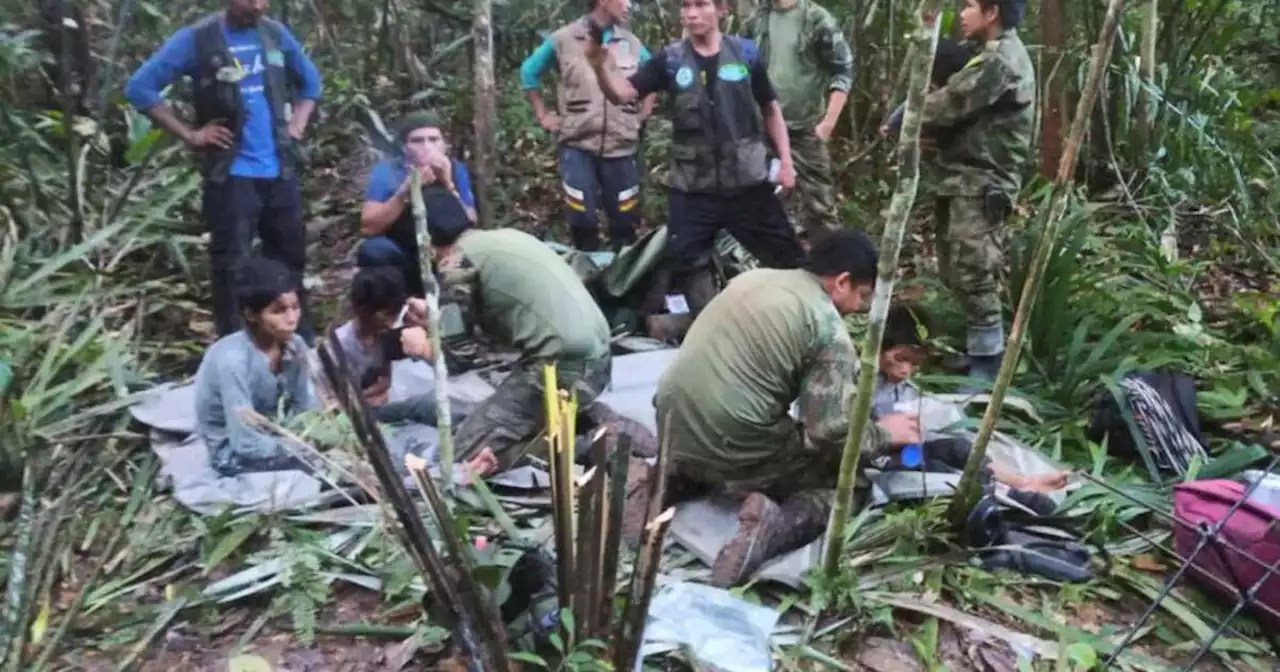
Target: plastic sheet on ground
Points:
x,y
714,629
701,526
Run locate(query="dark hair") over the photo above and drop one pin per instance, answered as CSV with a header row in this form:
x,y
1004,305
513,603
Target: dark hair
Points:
x,y
377,289
446,218
1011,11
950,58
260,281
842,251
901,327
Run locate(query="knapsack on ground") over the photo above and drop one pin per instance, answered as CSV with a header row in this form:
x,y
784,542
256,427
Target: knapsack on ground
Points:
x,y
1165,431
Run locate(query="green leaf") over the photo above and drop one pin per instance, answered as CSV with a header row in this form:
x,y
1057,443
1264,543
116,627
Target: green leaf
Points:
x,y
139,149
557,642
228,544
526,657
1083,655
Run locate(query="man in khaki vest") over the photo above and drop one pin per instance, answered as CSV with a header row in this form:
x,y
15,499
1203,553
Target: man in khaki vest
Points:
x,y
598,140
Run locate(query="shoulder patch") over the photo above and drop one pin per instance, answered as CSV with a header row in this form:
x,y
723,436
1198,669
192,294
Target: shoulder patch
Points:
x,y
750,51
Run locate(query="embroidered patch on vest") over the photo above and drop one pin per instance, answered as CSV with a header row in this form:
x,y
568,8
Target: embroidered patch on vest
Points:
x,y
275,58
684,77
732,72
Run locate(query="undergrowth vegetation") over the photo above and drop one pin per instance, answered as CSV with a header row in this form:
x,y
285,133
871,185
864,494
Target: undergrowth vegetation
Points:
x,y
1170,258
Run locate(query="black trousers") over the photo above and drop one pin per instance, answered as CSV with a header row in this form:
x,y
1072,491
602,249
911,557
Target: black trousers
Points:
x,y
754,216
234,211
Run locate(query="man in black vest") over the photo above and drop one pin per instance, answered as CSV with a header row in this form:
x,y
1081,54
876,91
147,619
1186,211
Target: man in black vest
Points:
x,y
241,65
724,115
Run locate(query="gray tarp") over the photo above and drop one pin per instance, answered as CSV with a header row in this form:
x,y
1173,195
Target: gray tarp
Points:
x,y
701,526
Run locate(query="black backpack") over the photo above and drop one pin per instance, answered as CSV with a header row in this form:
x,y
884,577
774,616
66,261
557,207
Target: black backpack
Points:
x,y
1151,416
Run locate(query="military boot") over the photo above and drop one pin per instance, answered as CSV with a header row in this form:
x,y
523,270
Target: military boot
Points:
x,y
982,372
765,531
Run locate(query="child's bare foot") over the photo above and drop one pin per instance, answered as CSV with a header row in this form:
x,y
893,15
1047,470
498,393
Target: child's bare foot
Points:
x,y
484,464
1045,482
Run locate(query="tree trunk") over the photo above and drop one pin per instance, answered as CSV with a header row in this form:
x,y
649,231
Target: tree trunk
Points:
x,y
486,108
1054,35
1147,69
904,196
969,488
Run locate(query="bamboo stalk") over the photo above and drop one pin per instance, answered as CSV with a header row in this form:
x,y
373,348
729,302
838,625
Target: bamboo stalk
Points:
x,y
613,529
926,41
968,488
630,630
439,366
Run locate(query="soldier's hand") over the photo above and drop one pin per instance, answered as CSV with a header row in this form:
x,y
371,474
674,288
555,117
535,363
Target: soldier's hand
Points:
x,y
550,121
415,312
415,342
212,134
824,130
903,429
787,177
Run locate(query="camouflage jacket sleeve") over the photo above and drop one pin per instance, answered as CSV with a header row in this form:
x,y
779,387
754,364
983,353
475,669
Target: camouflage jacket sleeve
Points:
x,y
459,289
832,49
827,392
975,88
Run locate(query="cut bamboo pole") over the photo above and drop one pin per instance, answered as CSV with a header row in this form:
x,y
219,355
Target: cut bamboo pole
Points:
x,y
440,368
969,487
926,41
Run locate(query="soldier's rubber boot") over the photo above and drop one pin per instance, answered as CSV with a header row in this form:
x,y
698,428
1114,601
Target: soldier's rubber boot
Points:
x,y
765,531
699,288
985,366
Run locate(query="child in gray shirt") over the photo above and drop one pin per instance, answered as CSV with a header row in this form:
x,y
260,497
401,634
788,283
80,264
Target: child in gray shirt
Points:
x,y
901,352
262,367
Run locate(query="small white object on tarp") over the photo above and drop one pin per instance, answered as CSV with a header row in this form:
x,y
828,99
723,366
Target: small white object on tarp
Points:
x,y
714,629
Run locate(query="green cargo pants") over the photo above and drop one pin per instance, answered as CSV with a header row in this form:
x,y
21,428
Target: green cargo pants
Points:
x,y
969,256
813,205
516,412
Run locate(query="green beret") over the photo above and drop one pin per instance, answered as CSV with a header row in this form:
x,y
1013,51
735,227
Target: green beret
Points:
x,y
416,120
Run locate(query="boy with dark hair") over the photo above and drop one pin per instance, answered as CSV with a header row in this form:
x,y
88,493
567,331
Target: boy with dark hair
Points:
x,y
771,339
520,294
901,351
377,299
263,366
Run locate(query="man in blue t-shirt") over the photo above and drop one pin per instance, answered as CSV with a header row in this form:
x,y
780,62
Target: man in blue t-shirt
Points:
x,y
386,219
247,132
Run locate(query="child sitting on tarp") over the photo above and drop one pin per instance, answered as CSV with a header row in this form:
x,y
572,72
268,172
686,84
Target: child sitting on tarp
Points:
x,y
901,352
262,367
371,343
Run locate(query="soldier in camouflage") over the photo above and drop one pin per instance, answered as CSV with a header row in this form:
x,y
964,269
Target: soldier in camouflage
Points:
x,y
987,110
771,339
811,67
518,294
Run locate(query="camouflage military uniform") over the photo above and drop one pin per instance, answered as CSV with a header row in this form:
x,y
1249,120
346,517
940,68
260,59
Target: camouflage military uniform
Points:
x,y
519,294
808,57
987,106
770,339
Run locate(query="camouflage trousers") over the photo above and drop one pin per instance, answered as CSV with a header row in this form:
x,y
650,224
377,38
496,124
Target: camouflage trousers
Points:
x,y
969,256
516,412
813,205
798,475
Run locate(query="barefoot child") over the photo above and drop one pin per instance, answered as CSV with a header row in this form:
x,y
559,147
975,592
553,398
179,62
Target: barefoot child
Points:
x,y
263,367
901,352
